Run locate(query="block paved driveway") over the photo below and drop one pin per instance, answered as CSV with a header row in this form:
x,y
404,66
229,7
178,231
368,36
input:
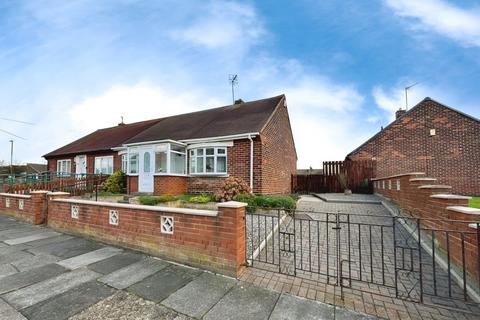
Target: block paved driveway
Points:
x,y
373,295
49,275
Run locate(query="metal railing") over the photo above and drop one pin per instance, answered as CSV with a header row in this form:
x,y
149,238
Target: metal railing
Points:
x,y
415,259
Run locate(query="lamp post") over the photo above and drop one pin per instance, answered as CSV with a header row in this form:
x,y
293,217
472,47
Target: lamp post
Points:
x,y
11,157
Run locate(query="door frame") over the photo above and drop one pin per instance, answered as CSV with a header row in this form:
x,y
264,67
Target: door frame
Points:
x,y
142,175
77,161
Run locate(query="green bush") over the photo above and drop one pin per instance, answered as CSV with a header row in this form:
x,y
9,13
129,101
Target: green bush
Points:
x,y
114,183
277,202
153,200
184,197
270,202
204,198
148,200
247,198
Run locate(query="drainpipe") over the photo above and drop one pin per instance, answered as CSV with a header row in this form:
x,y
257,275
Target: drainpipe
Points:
x,y
251,163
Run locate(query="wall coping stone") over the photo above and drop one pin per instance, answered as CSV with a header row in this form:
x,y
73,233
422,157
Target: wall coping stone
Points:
x,y
399,175
196,212
14,195
58,193
39,191
450,196
473,225
466,210
423,179
232,204
434,186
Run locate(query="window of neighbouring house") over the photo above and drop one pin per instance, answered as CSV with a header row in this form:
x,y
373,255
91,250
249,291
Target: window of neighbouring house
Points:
x,y
104,165
133,163
208,160
124,162
64,166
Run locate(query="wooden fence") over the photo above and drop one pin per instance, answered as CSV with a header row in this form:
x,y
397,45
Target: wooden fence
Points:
x,y
359,174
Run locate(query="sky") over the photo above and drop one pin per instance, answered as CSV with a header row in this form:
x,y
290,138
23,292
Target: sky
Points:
x,y
71,67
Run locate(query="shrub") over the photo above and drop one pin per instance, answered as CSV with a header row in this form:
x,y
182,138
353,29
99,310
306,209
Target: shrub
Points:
x,y
247,198
277,202
114,183
231,187
204,198
151,200
148,200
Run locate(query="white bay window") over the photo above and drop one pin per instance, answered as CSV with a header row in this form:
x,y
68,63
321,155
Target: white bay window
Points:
x,y
133,163
170,159
208,160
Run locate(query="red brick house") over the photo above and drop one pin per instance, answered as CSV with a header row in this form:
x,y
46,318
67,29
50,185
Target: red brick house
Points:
x,y
193,152
433,138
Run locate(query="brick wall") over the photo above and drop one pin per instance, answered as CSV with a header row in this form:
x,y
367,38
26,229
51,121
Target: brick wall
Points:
x,y
207,239
238,165
279,158
174,185
31,208
438,211
452,155
132,184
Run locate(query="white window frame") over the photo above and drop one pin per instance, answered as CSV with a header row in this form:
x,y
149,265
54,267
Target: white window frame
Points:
x,y
101,158
124,160
204,156
130,163
61,165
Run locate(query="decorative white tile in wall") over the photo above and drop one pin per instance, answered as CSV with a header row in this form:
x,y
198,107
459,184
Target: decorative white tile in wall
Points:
x,y
7,202
75,210
166,225
113,217
21,204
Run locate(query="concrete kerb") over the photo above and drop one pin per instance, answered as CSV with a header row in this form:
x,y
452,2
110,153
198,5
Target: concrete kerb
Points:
x,y
440,258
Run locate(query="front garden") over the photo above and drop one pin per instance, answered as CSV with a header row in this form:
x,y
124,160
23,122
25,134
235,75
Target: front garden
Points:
x,y
474,202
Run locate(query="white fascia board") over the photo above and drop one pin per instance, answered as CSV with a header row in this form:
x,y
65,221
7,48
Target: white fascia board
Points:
x,y
222,138
119,148
154,142
228,143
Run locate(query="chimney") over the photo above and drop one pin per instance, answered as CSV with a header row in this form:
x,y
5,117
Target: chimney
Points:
x,y
399,113
239,101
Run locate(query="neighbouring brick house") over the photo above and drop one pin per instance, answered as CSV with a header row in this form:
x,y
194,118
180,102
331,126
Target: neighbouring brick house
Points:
x,y
432,138
193,152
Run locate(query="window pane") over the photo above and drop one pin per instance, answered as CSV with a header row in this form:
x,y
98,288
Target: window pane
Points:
x,y
199,152
161,162
109,165
177,163
221,164
98,165
200,165
209,151
134,163
221,151
124,162
193,164
192,152
146,162
210,164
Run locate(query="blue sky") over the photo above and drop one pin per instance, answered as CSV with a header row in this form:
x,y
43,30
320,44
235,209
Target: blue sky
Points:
x,y
71,67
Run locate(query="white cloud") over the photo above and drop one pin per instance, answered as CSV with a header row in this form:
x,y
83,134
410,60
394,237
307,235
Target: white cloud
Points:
x,y
393,99
459,24
223,24
141,101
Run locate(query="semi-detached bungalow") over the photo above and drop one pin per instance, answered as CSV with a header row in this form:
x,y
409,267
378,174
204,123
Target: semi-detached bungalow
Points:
x,y
193,152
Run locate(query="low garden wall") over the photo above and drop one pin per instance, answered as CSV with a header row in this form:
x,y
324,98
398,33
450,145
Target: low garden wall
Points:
x,y
31,208
440,213
210,239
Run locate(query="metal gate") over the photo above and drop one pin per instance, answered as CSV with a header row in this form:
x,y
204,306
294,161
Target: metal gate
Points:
x,y
402,257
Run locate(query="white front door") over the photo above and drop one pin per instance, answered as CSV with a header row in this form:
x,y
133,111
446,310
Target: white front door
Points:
x,y
81,164
145,175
